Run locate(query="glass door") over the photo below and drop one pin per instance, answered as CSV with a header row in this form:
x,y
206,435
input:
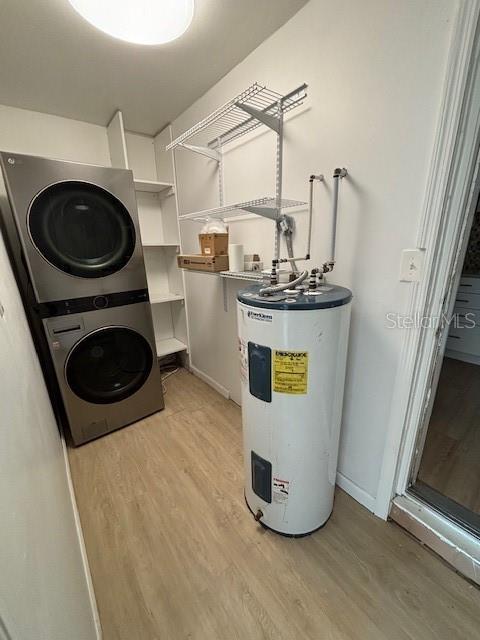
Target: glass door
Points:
x,y
448,475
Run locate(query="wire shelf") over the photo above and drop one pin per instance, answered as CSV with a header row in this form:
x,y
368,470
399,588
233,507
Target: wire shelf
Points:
x,y
253,107
266,207
249,276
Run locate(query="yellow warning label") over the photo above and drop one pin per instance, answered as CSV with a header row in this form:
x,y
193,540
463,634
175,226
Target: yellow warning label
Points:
x,y
290,372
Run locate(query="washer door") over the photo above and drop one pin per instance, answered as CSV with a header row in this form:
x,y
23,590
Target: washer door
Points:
x,y
109,365
81,229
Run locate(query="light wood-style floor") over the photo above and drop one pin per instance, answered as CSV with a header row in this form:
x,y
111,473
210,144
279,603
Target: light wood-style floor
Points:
x,y
451,456
175,554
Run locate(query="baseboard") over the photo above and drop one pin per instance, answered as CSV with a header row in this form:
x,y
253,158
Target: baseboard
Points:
x,y
83,551
358,494
210,381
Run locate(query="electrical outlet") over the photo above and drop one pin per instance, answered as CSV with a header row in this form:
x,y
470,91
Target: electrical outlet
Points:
x,y
411,266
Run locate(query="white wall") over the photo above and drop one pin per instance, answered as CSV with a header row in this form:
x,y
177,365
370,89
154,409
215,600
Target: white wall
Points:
x,y
43,590
43,586
36,133
375,71
141,155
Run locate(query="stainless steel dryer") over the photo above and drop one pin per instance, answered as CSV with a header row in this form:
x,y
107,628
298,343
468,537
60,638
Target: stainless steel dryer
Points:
x,y
105,362
78,226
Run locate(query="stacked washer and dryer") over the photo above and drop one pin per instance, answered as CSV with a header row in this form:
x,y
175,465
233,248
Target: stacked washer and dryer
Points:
x,y
74,240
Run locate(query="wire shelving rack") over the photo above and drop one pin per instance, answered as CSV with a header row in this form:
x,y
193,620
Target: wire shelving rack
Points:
x,y
248,276
266,207
255,106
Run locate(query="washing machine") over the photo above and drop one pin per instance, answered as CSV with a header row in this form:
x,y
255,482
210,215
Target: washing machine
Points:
x,y
77,224
105,362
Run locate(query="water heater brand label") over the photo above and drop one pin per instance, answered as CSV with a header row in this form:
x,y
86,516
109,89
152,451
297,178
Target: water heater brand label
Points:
x,y
260,316
290,372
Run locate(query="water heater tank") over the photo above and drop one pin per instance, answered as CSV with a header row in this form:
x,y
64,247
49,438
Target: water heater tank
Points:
x,y
292,357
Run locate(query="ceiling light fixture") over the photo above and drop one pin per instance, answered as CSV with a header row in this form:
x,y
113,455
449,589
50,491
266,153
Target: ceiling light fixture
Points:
x,y
139,21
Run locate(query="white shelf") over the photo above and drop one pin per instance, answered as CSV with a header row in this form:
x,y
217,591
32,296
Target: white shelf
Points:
x,y
250,276
152,186
160,244
159,298
265,207
168,346
245,112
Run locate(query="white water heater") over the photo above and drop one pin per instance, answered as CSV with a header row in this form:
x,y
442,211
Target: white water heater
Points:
x,y
293,352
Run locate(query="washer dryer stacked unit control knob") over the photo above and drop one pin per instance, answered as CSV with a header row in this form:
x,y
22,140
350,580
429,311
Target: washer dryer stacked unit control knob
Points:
x,y
293,355
75,244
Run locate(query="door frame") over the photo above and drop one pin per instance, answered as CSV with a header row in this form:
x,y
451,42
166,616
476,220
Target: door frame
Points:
x,y
450,186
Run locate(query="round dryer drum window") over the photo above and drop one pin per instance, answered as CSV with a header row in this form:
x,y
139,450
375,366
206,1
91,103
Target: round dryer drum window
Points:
x,y
109,365
81,229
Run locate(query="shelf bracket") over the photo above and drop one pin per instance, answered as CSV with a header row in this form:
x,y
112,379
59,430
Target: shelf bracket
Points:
x,y
270,121
203,151
267,212
166,193
225,295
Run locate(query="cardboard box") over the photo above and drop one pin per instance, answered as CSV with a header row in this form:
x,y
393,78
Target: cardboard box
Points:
x,y
203,263
213,244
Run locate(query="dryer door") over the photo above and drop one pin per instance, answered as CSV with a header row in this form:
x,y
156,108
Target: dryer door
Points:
x,y
109,365
81,229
